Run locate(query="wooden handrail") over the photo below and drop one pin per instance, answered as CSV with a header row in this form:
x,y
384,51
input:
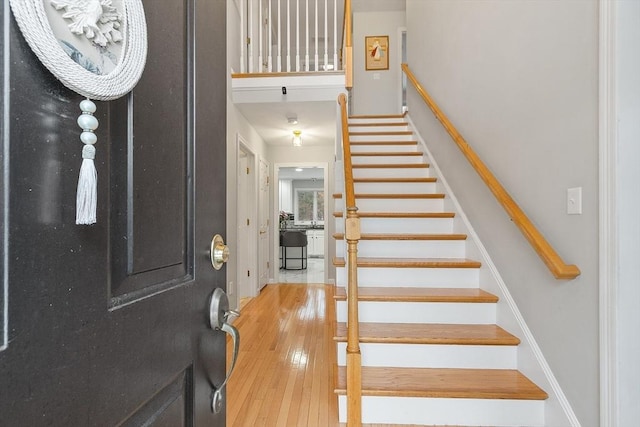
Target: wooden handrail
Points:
x,y
554,263
352,236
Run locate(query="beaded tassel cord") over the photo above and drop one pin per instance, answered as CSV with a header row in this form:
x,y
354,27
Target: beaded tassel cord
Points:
x,y
87,193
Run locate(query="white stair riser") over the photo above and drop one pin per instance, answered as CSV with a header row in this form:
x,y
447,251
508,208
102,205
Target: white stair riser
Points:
x,y
434,356
353,120
384,148
382,160
421,312
392,172
412,277
408,248
395,187
388,137
406,225
437,411
395,205
400,205
387,128
401,225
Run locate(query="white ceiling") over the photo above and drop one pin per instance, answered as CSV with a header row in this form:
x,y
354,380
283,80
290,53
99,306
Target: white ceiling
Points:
x,y
316,120
305,173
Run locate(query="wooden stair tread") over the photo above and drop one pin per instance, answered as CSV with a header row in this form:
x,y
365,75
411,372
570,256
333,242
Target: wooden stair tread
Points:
x,y
411,262
414,142
406,294
399,180
404,236
444,383
429,333
400,214
383,154
390,166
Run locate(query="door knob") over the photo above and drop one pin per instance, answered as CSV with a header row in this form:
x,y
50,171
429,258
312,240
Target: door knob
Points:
x,y
219,252
219,314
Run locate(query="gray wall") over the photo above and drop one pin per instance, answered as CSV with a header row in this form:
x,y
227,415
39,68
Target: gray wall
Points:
x,y
380,96
519,79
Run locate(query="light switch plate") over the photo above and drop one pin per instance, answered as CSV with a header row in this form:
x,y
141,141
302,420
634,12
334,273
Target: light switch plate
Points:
x,y
574,201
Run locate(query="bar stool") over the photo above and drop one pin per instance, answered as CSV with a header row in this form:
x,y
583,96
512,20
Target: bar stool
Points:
x,y
295,239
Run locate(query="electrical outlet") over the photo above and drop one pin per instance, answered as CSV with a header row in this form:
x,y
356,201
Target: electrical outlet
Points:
x,y
231,289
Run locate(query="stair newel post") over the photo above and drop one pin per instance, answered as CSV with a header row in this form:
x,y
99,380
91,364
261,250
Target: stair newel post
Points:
x,y
352,236
354,368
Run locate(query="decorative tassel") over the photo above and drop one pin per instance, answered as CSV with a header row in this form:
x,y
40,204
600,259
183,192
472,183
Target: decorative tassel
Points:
x,y
87,193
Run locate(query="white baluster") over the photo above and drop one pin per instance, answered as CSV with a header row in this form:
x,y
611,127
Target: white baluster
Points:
x,y
288,36
306,51
270,60
297,36
279,57
326,36
260,30
250,37
335,34
242,38
316,54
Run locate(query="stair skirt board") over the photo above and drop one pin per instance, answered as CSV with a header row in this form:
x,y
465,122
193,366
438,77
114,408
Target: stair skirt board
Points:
x,y
421,312
444,411
434,355
413,277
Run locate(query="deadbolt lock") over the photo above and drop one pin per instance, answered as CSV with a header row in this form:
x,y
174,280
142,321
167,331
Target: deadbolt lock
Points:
x,y
219,252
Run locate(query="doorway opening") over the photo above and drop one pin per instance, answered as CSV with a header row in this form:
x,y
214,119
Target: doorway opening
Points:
x,y
302,212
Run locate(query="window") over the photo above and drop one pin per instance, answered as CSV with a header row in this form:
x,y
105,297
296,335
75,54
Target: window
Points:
x,y
309,206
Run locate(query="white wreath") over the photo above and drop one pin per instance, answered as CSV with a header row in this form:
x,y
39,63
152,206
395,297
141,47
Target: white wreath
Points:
x,y
36,29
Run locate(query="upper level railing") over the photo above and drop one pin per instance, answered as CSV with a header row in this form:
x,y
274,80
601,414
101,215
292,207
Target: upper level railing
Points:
x,y
290,35
554,263
352,236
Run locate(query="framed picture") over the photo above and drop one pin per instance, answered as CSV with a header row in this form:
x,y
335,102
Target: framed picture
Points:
x,y
376,53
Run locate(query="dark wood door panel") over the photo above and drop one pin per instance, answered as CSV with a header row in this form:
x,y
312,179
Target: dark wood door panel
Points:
x,y
151,164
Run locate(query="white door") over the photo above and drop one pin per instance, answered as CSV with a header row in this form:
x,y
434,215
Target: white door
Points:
x,y
264,226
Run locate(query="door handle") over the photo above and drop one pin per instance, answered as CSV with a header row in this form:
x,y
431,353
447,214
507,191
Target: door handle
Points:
x,y
219,314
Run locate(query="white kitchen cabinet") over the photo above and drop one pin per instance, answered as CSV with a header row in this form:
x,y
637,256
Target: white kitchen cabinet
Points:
x,y
315,243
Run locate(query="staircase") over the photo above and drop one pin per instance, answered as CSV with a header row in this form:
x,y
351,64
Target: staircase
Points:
x,y
432,353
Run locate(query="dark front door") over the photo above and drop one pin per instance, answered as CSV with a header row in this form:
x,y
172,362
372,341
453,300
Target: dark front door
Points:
x,y
106,325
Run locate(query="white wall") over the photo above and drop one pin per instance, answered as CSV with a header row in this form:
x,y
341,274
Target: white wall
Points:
x,y
290,156
520,81
628,196
368,92
236,124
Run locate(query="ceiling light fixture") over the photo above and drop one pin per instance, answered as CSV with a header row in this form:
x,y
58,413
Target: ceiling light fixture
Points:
x,y
297,139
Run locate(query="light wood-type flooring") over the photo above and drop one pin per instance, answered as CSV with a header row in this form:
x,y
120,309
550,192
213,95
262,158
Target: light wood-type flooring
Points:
x,y
285,371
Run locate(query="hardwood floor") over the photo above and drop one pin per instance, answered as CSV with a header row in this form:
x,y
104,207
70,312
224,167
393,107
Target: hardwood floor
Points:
x,y
285,371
